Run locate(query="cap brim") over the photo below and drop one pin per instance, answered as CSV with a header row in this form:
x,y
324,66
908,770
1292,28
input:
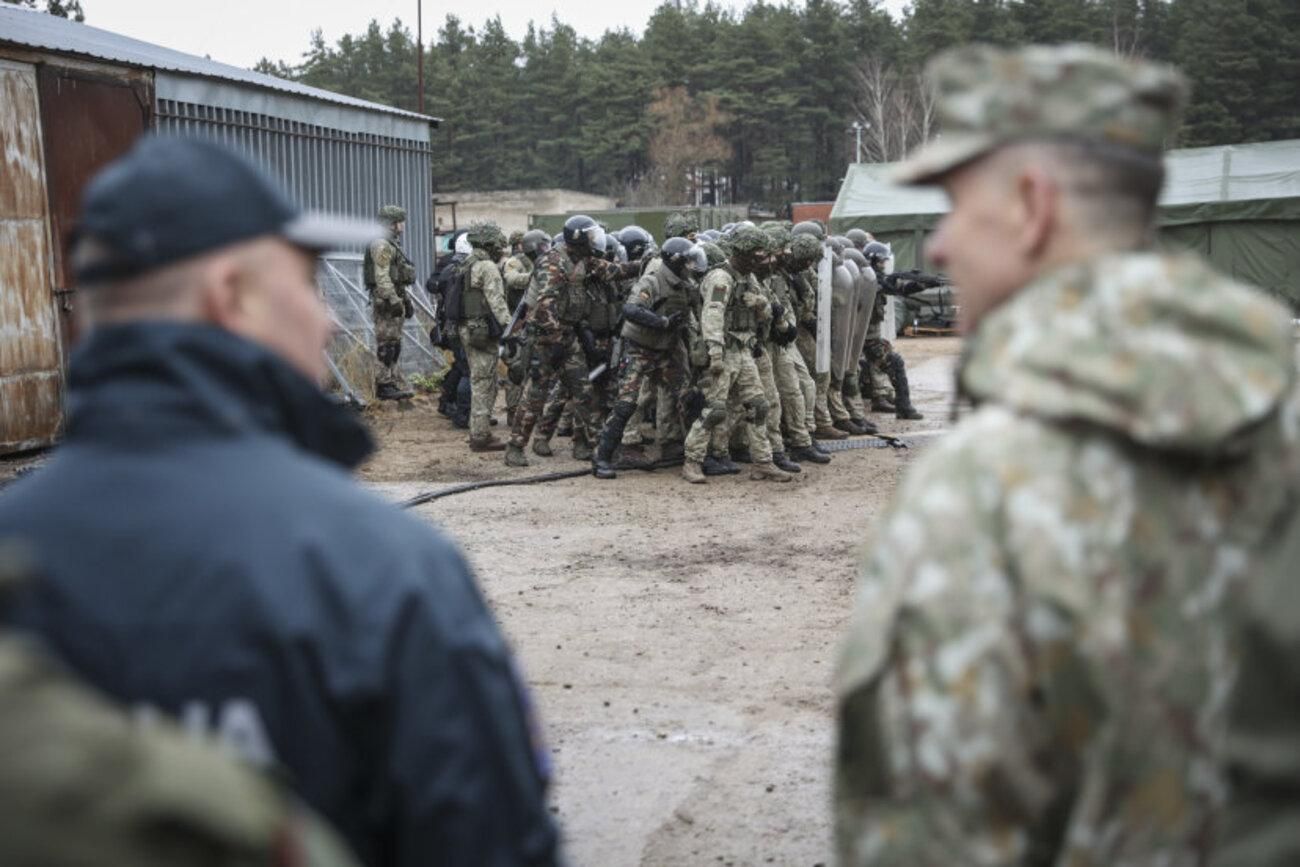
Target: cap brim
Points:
x,y
936,158
321,232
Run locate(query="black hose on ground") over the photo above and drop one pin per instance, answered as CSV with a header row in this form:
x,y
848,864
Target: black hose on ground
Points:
x,y
873,441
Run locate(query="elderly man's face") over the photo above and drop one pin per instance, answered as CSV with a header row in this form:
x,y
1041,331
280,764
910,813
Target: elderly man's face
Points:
x,y
980,243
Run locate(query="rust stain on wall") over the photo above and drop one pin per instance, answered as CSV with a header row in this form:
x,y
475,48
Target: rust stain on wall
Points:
x,y
31,406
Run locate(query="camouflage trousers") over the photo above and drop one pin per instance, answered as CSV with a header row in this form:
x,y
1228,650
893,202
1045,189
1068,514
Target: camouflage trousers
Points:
x,y
807,345
739,375
835,400
735,433
665,373
561,400
876,351
638,429
552,363
797,391
482,386
388,345
852,394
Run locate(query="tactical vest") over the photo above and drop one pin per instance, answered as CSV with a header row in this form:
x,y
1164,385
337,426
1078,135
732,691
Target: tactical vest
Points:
x,y
738,316
400,269
473,302
606,307
572,302
664,300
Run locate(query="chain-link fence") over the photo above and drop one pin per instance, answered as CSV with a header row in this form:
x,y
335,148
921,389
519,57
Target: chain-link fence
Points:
x,y
352,352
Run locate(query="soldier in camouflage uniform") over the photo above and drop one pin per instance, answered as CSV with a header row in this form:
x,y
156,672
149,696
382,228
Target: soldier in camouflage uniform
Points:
x,y
517,273
879,358
388,274
562,308
657,312
677,225
804,283
81,783
795,386
484,316
1037,666
734,308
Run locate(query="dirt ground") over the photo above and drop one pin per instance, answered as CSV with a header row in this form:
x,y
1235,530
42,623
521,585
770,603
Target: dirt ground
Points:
x,y
678,639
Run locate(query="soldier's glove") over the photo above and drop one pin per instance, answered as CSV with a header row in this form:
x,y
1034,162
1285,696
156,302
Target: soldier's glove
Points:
x,y
675,320
778,311
588,342
509,348
408,308
757,351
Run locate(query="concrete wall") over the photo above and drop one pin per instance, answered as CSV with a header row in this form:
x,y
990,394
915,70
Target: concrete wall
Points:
x,y
510,208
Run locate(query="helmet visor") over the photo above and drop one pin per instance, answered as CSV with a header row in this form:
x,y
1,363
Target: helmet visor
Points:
x,y
697,261
595,239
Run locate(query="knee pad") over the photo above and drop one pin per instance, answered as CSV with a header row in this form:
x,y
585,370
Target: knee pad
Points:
x,y
714,415
894,364
758,410
388,352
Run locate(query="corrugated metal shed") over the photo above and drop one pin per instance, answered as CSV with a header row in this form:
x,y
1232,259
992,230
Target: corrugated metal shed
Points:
x,y
50,33
96,92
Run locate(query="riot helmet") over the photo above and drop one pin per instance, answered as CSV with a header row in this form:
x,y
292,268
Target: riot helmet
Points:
x,y
535,243
637,240
584,236
682,257
858,238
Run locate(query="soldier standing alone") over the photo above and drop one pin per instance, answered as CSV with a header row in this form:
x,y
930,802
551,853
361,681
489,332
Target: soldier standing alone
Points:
x,y
388,275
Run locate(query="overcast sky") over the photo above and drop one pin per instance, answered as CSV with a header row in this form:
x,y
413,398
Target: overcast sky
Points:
x,y
240,32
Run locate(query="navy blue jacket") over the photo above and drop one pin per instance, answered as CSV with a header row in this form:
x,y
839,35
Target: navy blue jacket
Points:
x,y
205,554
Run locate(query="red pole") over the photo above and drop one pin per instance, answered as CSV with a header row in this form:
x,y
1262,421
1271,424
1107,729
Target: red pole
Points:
x,y
419,50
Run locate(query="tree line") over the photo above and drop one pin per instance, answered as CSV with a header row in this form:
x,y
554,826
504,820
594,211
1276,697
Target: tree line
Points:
x,y
757,107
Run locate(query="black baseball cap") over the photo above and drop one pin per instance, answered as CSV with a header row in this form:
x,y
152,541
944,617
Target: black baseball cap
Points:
x,y
170,198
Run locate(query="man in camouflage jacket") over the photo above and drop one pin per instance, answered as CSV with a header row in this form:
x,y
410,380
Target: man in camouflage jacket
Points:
x,y
388,275
1039,660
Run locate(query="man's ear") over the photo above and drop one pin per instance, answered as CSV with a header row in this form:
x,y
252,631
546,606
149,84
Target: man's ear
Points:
x,y
221,297
1038,198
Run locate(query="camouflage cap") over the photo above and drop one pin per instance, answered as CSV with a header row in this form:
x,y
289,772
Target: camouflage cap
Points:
x,y
516,236
805,250
392,214
679,225
486,235
987,97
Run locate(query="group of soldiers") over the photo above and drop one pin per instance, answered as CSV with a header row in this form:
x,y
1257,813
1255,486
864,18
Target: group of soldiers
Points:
x,y
749,343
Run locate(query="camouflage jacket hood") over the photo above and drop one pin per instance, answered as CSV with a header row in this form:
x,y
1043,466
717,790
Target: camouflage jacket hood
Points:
x,y
1153,346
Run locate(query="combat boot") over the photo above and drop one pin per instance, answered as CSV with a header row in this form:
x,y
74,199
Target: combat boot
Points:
x,y
882,404
515,456
783,462
634,458
389,391
602,462
672,451
542,447
769,472
726,466
826,432
486,443
693,472
710,467
897,372
581,450
809,454
564,430
865,426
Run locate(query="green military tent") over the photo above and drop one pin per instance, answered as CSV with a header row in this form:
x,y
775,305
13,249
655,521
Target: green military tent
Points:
x,y
1238,205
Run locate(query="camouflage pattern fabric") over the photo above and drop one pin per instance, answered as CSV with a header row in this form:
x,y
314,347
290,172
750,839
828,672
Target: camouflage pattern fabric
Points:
x,y
990,96
552,363
1039,659
666,373
517,273
740,379
387,311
